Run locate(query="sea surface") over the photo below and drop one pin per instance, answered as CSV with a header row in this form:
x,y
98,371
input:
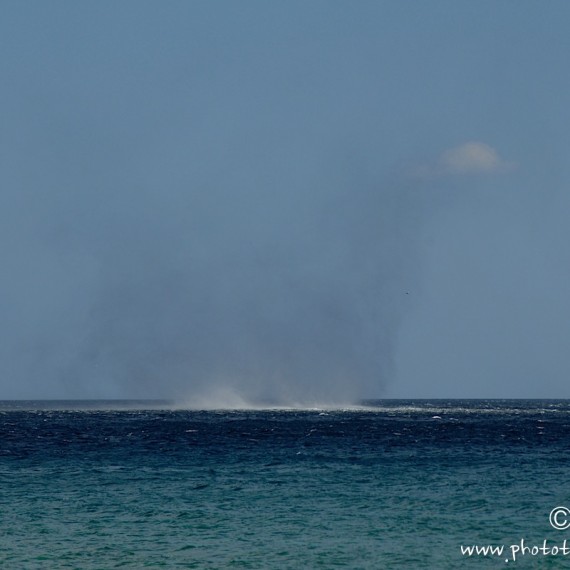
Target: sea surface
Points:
x,y
391,484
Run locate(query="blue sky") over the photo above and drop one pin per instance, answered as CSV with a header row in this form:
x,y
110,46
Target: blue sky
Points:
x,y
288,201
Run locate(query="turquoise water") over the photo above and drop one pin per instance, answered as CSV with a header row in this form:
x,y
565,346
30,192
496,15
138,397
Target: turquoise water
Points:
x,y
394,485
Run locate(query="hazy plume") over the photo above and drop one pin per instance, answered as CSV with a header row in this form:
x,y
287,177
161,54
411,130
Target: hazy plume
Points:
x,y
288,294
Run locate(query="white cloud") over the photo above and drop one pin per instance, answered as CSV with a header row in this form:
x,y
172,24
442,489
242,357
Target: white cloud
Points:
x,y
468,158
471,158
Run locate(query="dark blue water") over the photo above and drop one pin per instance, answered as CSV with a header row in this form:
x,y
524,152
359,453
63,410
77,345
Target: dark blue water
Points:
x,y
397,484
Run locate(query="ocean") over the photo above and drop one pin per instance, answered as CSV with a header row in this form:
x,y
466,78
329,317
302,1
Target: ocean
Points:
x,y
392,484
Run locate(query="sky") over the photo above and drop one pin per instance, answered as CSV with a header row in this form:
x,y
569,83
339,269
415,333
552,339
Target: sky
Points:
x,y
287,202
